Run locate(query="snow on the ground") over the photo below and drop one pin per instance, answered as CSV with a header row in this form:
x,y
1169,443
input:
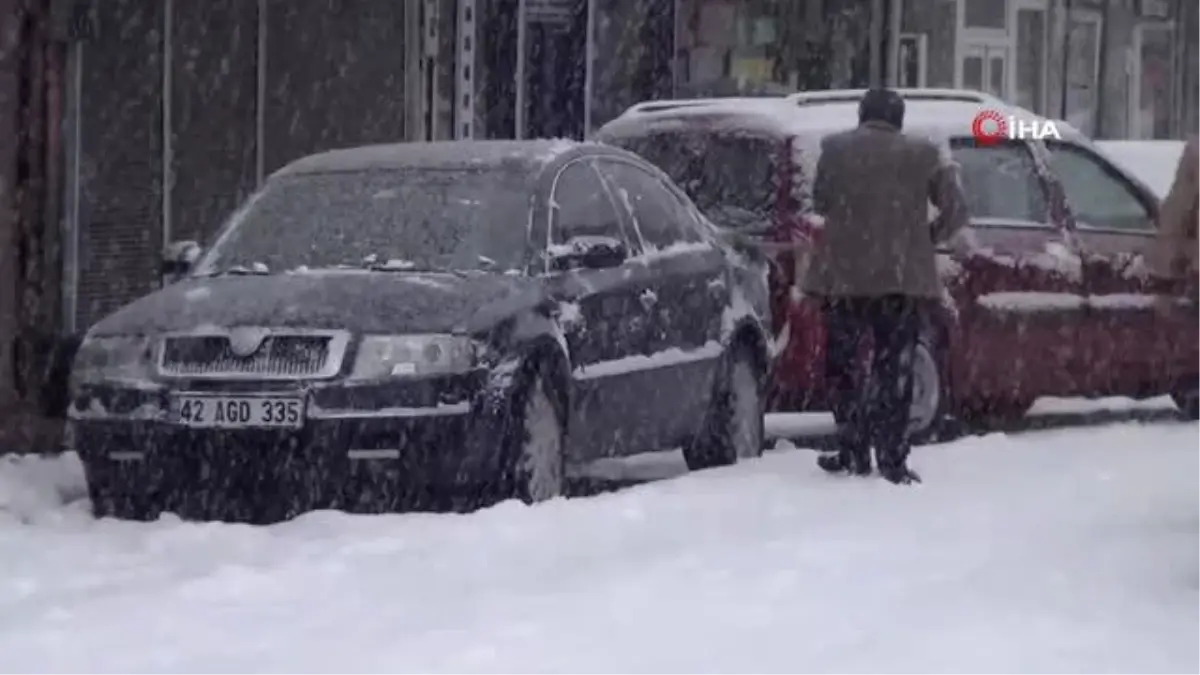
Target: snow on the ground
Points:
x,y
1085,406
36,485
792,425
1060,551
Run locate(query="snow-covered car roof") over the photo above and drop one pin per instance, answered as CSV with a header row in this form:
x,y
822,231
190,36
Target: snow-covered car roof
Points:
x,y
931,112
436,154
1152,162
908,94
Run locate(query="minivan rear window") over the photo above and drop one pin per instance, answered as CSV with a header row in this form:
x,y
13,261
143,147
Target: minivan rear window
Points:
x,y
728,175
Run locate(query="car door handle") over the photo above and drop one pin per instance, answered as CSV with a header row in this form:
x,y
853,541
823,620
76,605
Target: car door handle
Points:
x,y
648,298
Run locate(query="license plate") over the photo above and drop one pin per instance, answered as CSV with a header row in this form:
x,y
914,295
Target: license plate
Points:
x,y
237,412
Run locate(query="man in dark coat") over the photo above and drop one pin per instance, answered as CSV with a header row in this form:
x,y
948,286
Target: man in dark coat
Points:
x,y
875,270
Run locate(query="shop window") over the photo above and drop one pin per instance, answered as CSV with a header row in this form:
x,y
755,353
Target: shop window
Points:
x,y
740,47
984,69
985,14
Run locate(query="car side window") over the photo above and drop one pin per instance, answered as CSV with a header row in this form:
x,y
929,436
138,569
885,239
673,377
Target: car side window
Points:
x,y
686,214
1096,192
731,176
1000,181
581,207
654,210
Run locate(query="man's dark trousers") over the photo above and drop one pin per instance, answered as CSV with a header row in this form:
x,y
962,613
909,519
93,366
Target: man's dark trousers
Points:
x,y
871,408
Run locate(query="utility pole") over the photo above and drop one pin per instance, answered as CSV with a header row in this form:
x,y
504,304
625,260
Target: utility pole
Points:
x,y
1101,97
11,17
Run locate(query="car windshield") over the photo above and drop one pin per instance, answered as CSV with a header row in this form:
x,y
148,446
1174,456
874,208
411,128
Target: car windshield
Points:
x,y
418,219
728,176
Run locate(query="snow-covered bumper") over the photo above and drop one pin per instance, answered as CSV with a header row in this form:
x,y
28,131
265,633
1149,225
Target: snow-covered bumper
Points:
x,y
436,432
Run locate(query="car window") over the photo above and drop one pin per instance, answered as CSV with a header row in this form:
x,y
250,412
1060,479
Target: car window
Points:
x,y
582,207
1096,192
1000,181
687,215
731,177
655,212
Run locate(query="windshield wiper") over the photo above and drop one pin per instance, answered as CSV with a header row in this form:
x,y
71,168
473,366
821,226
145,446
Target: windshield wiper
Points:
x,y
239,271
419,269
409,266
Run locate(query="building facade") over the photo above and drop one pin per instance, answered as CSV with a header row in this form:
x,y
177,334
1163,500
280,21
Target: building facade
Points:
x,y
175,110
1115,68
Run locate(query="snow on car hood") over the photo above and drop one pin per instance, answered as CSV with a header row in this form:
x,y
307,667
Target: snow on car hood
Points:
x,y
357,300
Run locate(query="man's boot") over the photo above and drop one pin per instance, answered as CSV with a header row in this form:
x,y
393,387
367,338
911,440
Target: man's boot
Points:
x,y
857,464
899,474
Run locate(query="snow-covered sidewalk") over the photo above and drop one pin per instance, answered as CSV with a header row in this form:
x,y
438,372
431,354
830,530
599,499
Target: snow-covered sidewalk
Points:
x,y
1055,551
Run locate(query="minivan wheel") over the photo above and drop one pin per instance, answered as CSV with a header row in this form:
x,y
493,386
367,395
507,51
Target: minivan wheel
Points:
x,y
1188,402
538,471
929,393
733,430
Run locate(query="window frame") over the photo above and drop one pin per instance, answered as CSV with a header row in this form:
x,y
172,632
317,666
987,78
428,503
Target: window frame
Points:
x,y
634,245
1111,170
629,211
1041,178
709,136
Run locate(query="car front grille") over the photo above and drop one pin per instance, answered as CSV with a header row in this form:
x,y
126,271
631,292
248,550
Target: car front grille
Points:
x,y
279,356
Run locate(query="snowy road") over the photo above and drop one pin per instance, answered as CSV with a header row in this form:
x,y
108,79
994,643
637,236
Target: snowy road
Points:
x,y
1068,550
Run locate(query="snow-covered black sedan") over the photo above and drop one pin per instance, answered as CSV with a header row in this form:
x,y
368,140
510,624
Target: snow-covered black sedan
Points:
x,y
389,322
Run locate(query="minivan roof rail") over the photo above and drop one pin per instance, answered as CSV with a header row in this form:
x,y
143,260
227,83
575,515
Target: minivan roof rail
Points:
x,y
908,94
664,105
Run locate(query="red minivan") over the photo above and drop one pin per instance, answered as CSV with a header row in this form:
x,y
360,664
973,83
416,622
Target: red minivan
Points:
x,y
1046,294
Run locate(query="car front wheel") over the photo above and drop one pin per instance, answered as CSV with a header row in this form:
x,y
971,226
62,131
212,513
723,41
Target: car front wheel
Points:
x,y
928,393
734,428
538,469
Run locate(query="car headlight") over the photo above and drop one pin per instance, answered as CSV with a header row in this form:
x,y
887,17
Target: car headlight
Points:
x,y
110,358
381,356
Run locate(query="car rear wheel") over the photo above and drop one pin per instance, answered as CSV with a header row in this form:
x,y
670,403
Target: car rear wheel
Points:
x,y
734,428
539,472
1188,402
928,388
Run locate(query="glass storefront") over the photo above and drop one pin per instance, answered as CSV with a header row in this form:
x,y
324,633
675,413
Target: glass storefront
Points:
x,y
732,48
766,47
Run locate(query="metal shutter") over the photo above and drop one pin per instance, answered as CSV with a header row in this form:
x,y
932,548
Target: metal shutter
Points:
x,y
120,180
335,76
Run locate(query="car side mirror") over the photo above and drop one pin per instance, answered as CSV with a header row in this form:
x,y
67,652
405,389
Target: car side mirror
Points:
x,y
178,258
587,252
